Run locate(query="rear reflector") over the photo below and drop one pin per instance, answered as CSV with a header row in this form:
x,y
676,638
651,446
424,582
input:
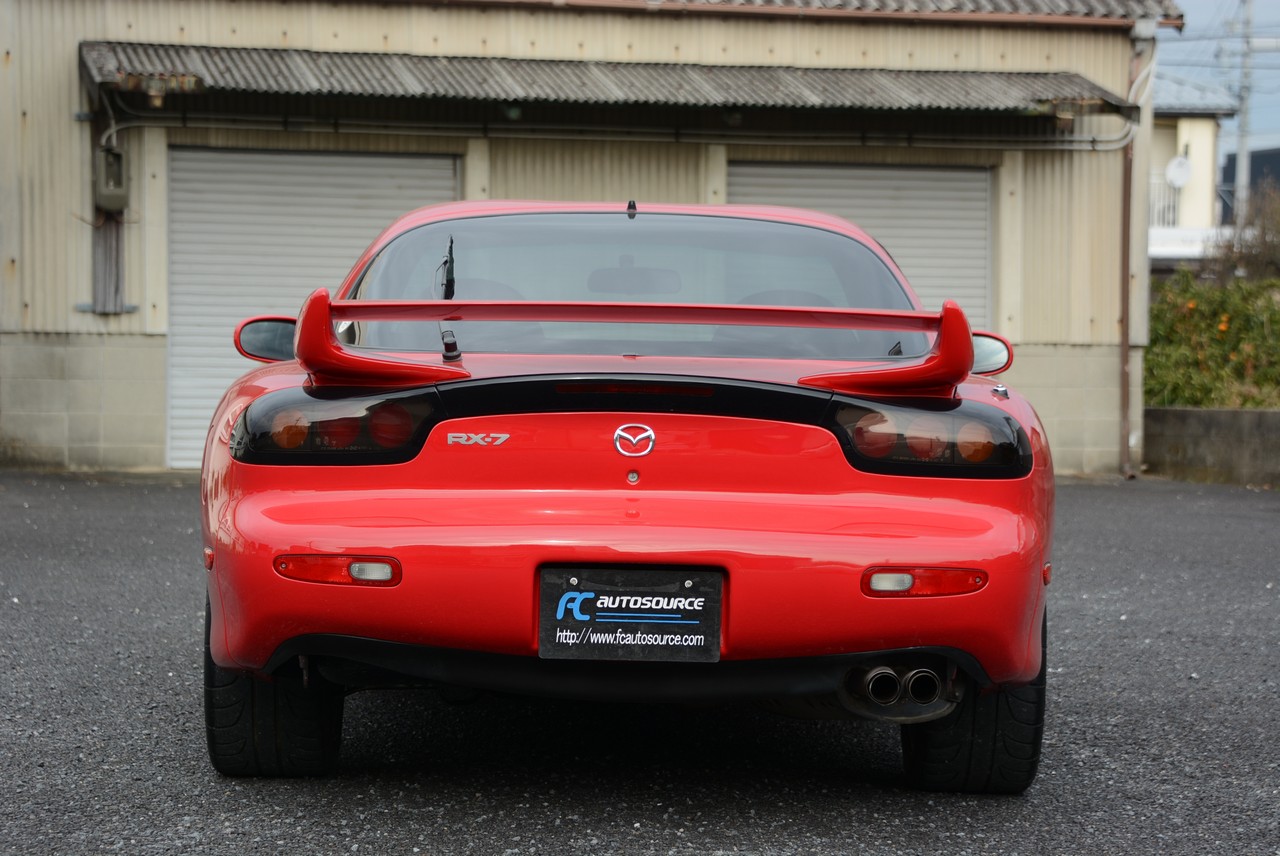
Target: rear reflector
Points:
x,y
340,570
921,582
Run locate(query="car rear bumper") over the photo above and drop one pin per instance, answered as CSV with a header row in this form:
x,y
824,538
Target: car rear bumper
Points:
x,y
792,568
361,662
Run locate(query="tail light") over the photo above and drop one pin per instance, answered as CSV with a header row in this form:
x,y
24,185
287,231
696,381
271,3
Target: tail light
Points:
x,y
341,570
959,439
300,426
921,582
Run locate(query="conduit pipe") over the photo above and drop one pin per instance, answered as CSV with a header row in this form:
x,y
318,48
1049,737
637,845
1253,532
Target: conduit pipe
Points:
x,y
1138,89
244,122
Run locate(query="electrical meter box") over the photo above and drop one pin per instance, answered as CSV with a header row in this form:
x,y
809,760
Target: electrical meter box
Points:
x,y
110,180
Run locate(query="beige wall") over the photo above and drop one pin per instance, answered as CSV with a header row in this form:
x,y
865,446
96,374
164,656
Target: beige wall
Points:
x,y
1198,202
583,171
82,401
1065,383
580,35
1196,139
1164,144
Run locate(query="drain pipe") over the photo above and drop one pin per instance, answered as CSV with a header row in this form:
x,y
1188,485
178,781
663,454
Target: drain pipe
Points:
x,y
1126,277
1143,38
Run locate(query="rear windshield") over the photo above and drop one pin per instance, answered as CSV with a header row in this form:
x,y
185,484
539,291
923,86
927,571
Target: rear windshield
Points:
x,y
654,258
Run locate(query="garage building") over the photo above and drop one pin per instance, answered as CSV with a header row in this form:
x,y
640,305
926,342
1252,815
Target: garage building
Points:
x,y
168,169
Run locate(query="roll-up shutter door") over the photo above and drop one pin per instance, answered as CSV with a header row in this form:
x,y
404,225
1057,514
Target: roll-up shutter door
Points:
x,y
253,233
936,223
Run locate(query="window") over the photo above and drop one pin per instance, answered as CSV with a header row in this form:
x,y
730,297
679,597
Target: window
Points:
x,y
656,258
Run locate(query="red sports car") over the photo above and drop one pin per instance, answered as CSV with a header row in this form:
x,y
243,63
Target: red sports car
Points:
x,y
659,453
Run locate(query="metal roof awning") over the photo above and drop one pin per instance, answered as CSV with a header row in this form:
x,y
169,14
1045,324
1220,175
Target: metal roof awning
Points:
x,y
1178,96
1112,14
160,71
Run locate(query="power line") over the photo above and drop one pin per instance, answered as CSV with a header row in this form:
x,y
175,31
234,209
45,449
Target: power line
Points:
x,y
1173,41
1175,64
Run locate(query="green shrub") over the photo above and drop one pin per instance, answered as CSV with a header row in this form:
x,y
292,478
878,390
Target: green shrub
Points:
x,y
1213,345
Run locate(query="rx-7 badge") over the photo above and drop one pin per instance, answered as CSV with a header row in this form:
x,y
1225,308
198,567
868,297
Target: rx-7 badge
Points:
x,y
477,439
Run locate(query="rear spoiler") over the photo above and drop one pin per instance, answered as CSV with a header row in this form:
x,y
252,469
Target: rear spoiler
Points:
x,y
328,361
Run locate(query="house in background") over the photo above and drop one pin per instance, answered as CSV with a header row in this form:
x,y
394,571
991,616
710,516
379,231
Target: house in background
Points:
x,y
167,169
1186,201
1264,171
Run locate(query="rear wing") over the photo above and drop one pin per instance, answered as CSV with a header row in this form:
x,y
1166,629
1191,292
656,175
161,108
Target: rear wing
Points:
x,y
330,362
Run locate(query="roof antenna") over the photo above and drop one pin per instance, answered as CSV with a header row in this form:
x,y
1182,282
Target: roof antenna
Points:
x,y
631,210
451,351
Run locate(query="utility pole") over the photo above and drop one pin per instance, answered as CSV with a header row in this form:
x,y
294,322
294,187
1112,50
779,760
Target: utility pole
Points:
x,y
1241,200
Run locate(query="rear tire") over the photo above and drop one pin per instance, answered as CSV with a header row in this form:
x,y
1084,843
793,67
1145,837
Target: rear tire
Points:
x,y
279,725
989,744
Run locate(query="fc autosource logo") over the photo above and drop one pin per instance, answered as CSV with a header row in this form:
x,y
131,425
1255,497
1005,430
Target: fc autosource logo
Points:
x,y
636,608
634,441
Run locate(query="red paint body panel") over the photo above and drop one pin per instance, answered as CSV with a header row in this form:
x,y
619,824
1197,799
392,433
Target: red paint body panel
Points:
x,y
775,504
327,361
471,530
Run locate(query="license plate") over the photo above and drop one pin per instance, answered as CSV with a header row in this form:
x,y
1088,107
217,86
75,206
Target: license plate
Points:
x,y
630,614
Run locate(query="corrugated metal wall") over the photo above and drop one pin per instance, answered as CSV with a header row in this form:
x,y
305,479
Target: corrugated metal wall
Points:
x,y
870,155
549,34
10,164
543,34
47,244
596,171
1071,252
1071,259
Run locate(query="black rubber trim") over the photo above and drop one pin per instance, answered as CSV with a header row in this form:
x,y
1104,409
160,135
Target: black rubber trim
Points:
x,y
645,393
393,662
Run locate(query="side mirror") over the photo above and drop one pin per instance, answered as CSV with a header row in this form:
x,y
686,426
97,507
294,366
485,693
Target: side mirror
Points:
x,y
992,354
267,340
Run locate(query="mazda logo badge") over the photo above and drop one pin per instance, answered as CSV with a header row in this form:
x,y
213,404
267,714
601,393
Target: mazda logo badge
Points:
x,y
634,441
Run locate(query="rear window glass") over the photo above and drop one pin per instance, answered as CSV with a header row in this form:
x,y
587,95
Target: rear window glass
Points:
x,y
655,258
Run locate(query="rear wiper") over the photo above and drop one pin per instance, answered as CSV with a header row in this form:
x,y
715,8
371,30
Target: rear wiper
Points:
x,y
447,264
451,351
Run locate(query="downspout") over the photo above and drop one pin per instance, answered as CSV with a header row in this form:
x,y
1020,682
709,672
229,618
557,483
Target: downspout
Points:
x,y
1143,37
1126,208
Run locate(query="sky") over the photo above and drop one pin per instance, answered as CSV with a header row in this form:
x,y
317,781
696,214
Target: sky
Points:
x,y
1208,50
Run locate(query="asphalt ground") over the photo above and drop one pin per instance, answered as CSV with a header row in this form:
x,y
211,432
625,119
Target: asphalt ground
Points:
x,y
1164,687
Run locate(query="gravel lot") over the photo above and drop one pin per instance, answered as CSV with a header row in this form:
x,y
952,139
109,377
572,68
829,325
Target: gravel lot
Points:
x,y
1164,691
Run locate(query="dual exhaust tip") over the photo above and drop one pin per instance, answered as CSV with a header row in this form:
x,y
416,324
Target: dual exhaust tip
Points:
x,y
886,687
